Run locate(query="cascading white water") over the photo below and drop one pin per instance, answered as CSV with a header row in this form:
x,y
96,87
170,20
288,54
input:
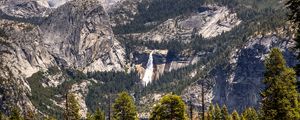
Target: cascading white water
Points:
x,y
149,71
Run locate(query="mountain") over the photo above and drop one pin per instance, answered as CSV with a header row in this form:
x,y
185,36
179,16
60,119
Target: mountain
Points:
x,y
97,48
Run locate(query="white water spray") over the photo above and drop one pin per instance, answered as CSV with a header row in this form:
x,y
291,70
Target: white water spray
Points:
x,y
149,71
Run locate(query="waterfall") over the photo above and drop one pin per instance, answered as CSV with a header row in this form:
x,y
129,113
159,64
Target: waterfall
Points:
x,y
149,71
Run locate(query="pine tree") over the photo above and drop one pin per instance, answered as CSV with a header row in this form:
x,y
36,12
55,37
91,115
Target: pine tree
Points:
x,y
15,114
89,116
250,114
217,113
170,107
99,115
30,115
225,114
124,108
280,97
2,117
242,117
235,115
210,113
72,108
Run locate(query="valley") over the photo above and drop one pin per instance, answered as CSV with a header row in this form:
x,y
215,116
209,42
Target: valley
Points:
x,y
149,48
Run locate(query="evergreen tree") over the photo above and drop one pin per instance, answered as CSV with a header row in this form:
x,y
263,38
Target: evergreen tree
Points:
x,y
242,117
250,114
30,115
210,113
2,116
89,116
170,107
225,114
15,114
99,115
72,108
217,113
124,108
280,97
235,115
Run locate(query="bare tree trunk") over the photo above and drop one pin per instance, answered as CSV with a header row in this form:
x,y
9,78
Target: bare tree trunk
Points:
x,y
191,108
109,107
202,100
66,112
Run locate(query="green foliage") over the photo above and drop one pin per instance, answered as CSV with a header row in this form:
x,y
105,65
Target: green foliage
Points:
x,y
107,86
170,107
235,115
30,115
50,118
211,111
40,95
250,114
72,108
124,108
225,114
280,97
89,116
99,115
217,113
242,117
3,117
15,114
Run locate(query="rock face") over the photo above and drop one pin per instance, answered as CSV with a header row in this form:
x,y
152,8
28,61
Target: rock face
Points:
x,y
81,90
239,85
25,9
75,35
245,81
210,22
79,37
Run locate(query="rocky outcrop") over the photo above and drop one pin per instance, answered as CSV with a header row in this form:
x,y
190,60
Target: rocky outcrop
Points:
x,y
163,61
76,35
213,21
25,9
239,84
245,81
81,90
